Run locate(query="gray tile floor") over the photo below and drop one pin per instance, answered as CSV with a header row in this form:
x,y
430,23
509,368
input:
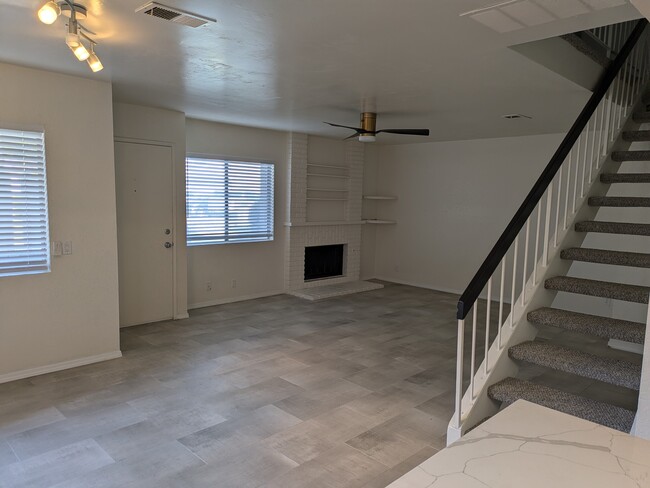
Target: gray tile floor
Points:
x,y
278,392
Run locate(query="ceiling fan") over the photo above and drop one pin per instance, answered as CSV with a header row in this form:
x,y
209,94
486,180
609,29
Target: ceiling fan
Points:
x,y
368,130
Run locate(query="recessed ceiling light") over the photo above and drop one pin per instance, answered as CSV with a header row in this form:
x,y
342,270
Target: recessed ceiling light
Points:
x,y
516,116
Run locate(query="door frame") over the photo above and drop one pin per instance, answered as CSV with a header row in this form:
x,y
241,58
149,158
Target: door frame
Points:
x,y
172,147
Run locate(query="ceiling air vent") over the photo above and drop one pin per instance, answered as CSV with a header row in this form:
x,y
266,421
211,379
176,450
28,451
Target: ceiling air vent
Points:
x,y
175,15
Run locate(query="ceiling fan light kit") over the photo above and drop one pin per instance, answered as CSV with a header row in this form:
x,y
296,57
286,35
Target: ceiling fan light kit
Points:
x,y
75,36
368,130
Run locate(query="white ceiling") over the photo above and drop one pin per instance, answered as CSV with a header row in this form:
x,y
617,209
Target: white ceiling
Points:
x,y
291,64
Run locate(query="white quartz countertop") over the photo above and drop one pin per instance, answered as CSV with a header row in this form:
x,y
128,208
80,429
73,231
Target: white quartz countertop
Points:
x,y
533,447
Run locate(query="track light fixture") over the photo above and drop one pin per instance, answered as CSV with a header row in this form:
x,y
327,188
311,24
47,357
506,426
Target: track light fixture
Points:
x,y
50,12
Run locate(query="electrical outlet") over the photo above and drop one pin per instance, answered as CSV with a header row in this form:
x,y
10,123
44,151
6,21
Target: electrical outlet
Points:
x,y
67,248
57,248
234,283
208,286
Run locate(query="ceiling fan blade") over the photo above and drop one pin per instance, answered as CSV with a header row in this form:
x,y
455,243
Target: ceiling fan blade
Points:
x,y
406,132
353,136
358,129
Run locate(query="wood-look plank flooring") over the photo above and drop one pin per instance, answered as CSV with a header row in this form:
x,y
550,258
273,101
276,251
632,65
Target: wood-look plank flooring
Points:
x,y
278,392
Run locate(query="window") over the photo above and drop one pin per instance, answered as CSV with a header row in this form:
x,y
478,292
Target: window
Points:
x,y
228,201
24,237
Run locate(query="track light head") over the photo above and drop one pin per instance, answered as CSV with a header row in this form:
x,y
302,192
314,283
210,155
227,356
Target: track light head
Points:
x,y
81,52
93,60
73,40
49,12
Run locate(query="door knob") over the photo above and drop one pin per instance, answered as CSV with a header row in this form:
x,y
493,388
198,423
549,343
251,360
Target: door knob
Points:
x,y
169,244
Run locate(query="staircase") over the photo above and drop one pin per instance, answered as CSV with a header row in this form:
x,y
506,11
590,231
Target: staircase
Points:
x,y
517,284
617,372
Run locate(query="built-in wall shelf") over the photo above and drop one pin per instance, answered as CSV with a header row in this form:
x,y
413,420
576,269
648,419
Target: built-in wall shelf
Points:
x,y
327,199
324,223
329,166
323,175
371,210
379,197
328,189
379,222
328,192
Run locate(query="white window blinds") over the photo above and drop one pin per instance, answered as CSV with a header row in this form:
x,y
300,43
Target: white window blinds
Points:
x,y
24,237
228,201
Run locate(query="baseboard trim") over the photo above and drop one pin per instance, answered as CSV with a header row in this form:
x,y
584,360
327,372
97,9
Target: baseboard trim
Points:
x,y
432,288
52,368
223,301
182,316
417,285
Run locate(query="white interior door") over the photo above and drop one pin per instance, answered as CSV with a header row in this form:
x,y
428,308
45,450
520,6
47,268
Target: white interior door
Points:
x,y
145,210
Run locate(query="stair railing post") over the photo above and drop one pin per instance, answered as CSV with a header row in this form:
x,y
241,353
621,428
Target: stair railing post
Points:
x,y
501,291
566,196
513,295
525,267
460,357
472,358
547,223
487,326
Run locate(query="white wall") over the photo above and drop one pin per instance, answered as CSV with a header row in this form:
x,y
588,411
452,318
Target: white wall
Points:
x,y
71,314
135,122
455,199
642,423
257,268
369,209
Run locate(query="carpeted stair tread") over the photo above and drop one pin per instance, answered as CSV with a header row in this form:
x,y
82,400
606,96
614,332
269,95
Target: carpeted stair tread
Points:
x,y
602,256
590,49
510,390
603,327
619,202
622,156
632,229
560,358
602,289
636,136
642,117
625,178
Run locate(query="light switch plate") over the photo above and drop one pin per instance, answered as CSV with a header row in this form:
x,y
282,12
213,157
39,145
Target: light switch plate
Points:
x,y
67,248
56,248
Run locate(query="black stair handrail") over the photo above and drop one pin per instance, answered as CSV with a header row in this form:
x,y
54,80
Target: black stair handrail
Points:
x,y
500,249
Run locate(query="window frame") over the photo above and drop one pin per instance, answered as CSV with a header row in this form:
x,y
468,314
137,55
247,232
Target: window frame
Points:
x,y
228,159
47,267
